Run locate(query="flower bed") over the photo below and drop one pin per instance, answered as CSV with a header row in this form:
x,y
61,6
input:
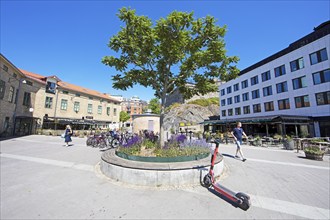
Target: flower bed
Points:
x,y
177,149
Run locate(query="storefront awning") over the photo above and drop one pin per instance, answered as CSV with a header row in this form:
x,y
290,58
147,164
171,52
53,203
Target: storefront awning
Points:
x,y
274,118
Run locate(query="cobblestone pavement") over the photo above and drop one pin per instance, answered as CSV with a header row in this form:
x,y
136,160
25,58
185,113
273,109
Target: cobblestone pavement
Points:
x,y
42,179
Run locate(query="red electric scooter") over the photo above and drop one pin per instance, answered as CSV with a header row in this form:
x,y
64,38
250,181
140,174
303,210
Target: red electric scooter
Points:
x,y
240,200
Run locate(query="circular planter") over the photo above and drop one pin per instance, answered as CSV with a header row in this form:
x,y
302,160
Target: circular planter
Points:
x,y
158,174
162,159
314,156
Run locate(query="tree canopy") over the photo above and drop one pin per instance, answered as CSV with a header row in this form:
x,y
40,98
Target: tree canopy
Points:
x,y
124,116
167,55
154,105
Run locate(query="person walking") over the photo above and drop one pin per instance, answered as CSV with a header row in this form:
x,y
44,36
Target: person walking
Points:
x,y
67,135
238,134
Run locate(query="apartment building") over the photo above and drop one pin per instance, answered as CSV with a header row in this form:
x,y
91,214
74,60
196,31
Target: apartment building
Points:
x,y
133,106
286,93
30,101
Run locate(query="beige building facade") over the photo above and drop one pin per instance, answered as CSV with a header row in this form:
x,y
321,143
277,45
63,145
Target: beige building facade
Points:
x,y
30,101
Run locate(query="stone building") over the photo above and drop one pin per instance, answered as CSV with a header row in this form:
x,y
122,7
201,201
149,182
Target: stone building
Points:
x,y
17,95
30,101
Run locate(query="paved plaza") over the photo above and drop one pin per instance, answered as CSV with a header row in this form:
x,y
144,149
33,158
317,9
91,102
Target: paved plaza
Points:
x,y
42,179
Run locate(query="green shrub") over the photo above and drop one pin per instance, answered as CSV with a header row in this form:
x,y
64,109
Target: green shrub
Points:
x,y
205,102
313,150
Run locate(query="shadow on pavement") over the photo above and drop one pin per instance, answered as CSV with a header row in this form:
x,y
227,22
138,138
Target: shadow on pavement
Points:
x,y
223,197
228,155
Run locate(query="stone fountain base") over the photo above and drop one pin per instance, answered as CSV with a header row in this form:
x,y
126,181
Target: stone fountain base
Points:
x,y
170,174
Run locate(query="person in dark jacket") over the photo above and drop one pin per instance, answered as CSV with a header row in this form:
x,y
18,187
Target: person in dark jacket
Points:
x,y
67,136
238,134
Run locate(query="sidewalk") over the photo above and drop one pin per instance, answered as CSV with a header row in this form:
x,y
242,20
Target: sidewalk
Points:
x,y
42,179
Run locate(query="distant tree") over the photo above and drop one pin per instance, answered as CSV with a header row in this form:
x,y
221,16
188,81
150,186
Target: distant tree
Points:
x,y
123,116
176,50
154,105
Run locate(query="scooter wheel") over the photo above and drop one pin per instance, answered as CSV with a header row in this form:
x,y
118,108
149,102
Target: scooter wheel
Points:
x,y
245,204
207,181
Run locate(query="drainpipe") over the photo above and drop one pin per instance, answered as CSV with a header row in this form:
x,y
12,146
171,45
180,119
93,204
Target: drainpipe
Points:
x,y
56,109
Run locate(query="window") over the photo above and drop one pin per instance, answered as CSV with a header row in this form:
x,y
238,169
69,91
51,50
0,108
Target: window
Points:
x,y
77,95
11,94
236,99
246,109
48,102
27,99
230,112
245,96
236,87
114,112
99,109
323,98
279,71
265,76
245,84
16,96
90,98
222,91
237,111
283,104
255,94
65,92
6,124
256,108
267,91
302,101
254,80
228,89
223,113
76,106
299,82
2,89
108,110
321,77
5,68
269,106
297,64
29,83
282,87
51,87
223,102
90,108
64,104
318,56
229,101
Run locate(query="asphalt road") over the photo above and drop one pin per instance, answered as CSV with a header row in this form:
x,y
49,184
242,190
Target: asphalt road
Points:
x,y
42,179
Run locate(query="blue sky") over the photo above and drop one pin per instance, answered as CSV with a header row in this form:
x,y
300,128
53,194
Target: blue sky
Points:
x,y
69,38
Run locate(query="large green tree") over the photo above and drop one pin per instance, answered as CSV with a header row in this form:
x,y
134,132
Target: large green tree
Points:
x,y
123,116
167,55
155,106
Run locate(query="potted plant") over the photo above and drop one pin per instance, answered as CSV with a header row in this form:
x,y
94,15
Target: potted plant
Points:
x,y
288,142
314,153
257,141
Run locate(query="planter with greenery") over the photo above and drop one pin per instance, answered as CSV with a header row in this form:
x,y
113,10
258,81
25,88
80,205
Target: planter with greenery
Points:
x,y
314,153
257,141
288,142
177,149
